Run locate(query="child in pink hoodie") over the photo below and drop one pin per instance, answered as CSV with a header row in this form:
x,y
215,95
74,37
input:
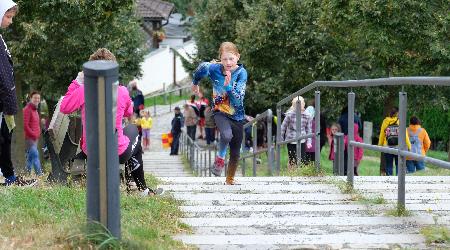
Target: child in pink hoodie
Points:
x,y
129,146
359,152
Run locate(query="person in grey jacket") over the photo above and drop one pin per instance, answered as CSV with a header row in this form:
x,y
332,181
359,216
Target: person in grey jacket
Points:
x,y
289,131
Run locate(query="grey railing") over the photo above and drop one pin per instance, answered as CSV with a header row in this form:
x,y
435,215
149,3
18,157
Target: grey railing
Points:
x,y
167,96
267,116
199,158
401,151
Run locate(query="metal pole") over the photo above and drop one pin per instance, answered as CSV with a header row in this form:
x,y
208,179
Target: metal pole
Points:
x,y
403,102
154,106
278,154
255,147
170,101
298,128
317,130
243,147
165,94
269,142
102,195
209,161
351,137
339,155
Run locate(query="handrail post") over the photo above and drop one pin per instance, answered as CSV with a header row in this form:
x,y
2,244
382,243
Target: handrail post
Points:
x,y
278,140
351,137
317,130
170,101
154,106
255,147
403,99
269,142
243,147
298,128
338,150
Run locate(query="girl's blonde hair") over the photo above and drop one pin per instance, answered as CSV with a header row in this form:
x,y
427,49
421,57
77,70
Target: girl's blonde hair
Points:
x,y
337,126
294,104
228,47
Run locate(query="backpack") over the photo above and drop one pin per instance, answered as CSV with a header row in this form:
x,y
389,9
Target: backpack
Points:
x,y
416,144
391,133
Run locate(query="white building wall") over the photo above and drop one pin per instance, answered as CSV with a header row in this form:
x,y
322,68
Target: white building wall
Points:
x,y
157,68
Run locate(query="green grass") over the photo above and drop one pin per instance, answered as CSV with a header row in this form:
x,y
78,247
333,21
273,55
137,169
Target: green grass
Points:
x,y
399,211
369,166
53,217
159,100
436,234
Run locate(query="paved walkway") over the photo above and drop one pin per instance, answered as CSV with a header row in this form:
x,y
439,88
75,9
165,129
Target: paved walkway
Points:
x,y
308,212
158,161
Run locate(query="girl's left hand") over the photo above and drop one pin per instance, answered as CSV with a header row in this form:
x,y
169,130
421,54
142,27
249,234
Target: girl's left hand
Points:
x,y
227,78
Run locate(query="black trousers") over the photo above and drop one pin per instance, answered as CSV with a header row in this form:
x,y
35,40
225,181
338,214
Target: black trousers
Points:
x,y
175,143
292,153
6,165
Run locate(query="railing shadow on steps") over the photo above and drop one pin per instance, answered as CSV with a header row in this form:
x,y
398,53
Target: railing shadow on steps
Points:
x,y
198,157
401,151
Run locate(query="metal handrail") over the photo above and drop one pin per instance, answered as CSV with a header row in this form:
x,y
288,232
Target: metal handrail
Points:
x,y
165,93
268,117
401,151
199,158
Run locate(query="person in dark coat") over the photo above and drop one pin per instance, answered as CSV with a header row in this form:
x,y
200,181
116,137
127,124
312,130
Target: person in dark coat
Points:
x,y
137,97
177,124
8,100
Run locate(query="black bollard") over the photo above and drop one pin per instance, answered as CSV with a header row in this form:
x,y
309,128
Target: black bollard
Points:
x,y
103,197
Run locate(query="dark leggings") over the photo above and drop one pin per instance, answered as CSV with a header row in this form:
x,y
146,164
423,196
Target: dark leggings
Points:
x,y
230,134
292,153
132,157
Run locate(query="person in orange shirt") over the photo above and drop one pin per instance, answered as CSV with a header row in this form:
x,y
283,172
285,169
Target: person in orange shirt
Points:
x,y
420,143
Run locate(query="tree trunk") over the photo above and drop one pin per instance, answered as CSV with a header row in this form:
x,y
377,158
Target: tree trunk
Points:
x,y
18,139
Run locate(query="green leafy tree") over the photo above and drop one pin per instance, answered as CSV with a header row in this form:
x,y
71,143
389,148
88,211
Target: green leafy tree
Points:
x,y
51,39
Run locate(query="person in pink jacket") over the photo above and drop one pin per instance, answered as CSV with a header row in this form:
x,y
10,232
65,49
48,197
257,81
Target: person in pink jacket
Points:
x,y
129,146
358,155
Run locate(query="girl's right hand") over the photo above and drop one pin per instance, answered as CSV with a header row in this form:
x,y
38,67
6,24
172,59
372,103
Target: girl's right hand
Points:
x,y
227,78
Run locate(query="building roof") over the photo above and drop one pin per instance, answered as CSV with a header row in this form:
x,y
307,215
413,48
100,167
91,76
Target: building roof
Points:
x,y
152,10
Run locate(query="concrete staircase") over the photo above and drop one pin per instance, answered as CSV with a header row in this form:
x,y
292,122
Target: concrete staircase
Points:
x,y
307,212
161,164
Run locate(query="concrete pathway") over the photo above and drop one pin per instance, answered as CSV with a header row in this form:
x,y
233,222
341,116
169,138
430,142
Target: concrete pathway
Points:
x,y
307,212
157,160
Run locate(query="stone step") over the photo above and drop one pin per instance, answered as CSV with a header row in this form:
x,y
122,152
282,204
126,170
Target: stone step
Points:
x,y
302,207
359,180
295,239
306,230
304,187
299,197
315,221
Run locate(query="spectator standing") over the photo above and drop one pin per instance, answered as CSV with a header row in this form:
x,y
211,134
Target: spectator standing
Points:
x,y
8,100
210,126
420,143
202,103
289,131
137,97
190,120
343,120
31,124
146,123
389,137
177,123
335,128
